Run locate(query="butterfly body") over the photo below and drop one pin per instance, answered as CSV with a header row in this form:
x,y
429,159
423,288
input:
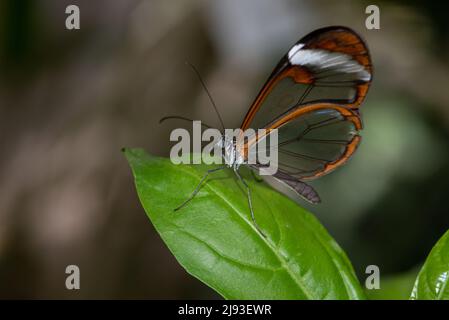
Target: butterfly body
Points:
x,y
232,156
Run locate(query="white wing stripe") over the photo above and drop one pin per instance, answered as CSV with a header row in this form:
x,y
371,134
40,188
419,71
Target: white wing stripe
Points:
x,y
318,59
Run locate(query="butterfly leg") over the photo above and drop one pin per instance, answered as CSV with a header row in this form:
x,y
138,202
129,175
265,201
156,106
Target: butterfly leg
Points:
x,y
250,204
197,189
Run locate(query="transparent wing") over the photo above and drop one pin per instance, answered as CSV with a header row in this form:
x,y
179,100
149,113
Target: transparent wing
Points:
x,y
318,139
329,65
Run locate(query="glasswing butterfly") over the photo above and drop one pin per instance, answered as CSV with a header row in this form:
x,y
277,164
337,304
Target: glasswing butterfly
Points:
x,y
312,98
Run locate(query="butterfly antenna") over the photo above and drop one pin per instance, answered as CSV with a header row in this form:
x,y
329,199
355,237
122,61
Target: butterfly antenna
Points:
x,y
182,118
208,93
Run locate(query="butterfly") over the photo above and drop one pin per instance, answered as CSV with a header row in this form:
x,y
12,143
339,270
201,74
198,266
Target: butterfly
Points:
x,y
312,98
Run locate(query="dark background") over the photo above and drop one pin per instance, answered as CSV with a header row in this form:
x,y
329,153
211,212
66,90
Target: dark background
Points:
x,y
69,100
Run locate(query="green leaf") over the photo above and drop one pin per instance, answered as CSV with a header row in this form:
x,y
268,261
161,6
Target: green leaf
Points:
x,y
214,239
432,282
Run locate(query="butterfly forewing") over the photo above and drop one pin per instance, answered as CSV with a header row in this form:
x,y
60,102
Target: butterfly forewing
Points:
x,y
328,65
312,98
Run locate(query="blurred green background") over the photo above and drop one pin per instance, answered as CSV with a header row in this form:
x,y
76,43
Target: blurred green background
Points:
x,y
70,99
